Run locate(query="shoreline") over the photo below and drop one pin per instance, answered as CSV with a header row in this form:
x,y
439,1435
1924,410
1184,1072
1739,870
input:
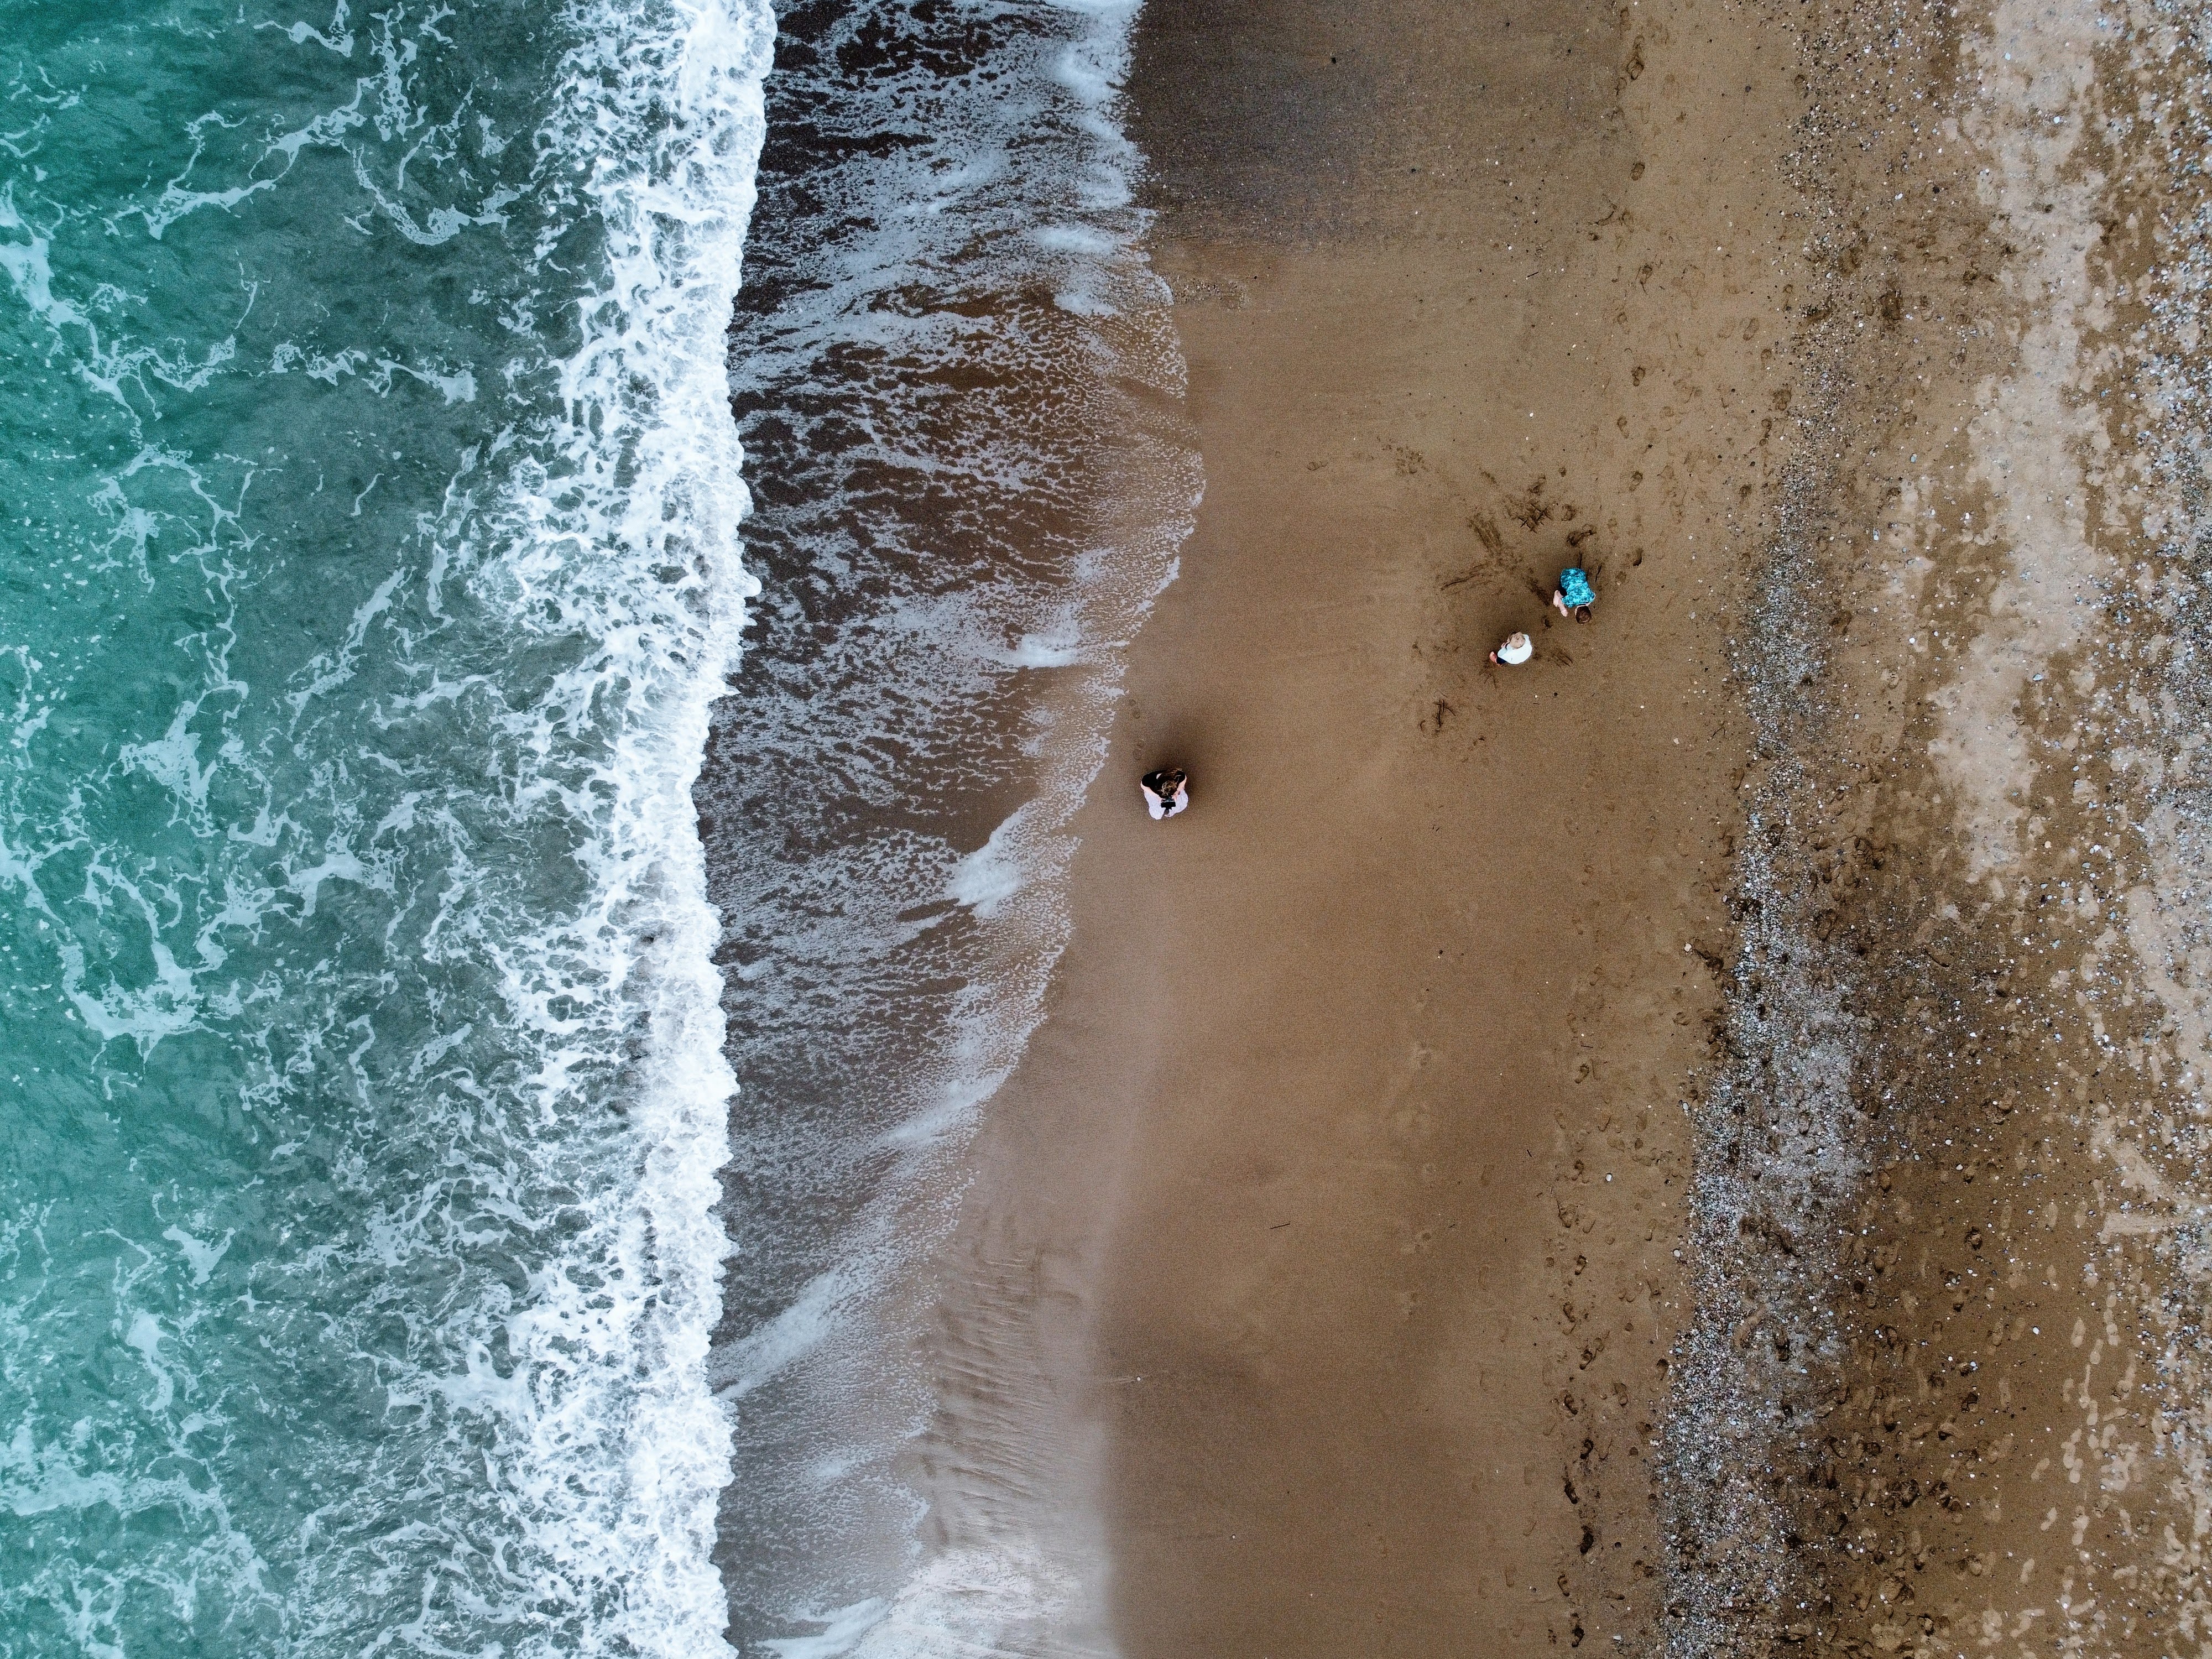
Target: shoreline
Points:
x,y
1346,1172
935,406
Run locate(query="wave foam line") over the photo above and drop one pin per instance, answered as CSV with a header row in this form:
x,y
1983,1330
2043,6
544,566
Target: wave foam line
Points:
x,y
636,541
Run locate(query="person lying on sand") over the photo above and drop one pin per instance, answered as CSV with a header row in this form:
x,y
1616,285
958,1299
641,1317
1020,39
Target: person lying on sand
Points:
x,y
1574,596
1516,650
1166,791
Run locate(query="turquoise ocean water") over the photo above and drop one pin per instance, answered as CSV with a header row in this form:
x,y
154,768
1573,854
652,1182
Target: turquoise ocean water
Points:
x,y
369,503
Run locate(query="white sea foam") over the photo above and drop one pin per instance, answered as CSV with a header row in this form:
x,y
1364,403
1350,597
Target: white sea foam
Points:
x,y
990,876
511,1309
1046,650
894,963
962,1604
797,1331
638,543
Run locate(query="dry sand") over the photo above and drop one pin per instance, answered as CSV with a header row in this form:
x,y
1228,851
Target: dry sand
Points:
x,y
1619,1150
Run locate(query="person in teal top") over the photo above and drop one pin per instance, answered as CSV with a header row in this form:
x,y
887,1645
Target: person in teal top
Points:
x,y
1574,596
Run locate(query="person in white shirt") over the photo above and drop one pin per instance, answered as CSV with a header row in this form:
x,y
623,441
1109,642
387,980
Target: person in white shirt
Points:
x,y
1167,791
1516,650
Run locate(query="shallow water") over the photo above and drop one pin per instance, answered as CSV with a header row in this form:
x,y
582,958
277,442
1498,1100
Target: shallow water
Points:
x,y
958,384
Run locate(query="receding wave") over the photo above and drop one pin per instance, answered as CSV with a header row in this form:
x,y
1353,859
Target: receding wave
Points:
x,y
959,390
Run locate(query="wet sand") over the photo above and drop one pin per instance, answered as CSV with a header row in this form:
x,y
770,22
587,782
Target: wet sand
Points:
x,y
1347,1169
1685,1144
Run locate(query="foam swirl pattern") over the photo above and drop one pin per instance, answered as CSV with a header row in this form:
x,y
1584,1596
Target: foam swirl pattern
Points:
x,y
368,499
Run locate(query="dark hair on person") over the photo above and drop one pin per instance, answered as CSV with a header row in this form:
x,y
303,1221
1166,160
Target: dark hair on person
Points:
x,y
1581,613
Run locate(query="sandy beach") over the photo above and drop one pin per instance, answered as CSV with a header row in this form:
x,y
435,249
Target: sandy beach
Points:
x,y
1353,1141
1625,1150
